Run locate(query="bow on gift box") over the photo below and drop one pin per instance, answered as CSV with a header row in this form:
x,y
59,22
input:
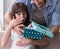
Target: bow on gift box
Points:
x,y
38,32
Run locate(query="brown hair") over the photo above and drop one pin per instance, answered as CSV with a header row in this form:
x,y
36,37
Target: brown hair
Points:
x,y
20,7
45,1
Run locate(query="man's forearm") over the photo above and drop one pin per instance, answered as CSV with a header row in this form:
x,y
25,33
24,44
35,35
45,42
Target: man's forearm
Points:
x,y
7,17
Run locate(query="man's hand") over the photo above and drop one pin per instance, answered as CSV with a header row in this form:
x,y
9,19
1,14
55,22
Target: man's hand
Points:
x,y
55,29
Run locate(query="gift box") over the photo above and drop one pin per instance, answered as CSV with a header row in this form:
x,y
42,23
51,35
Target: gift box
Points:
x,y
42,29
38,32
32,34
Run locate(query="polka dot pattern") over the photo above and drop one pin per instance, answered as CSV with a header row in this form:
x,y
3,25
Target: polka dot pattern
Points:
x,y
32,34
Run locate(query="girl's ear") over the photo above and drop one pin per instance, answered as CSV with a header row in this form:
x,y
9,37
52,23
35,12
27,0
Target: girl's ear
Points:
x,y
13,17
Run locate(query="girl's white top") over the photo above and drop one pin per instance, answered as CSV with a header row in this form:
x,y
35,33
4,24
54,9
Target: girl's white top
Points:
x,y
15,37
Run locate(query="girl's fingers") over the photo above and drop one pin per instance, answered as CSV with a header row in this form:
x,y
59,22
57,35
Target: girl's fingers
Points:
x,y
21,25
21,28
21,31
20,43
18,23
19,19
18,29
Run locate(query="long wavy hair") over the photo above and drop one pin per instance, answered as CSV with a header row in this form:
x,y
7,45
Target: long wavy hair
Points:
x,y
20,7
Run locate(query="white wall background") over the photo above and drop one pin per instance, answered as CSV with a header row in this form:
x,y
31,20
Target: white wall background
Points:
x,y
7,4
4,5
1,12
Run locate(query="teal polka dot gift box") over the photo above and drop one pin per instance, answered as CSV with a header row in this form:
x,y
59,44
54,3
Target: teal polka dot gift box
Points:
x,y
32,34
38,32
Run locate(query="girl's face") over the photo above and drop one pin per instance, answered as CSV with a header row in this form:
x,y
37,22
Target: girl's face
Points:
x,y
21,15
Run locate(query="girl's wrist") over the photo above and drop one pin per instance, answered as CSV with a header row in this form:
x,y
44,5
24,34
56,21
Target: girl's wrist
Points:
x,y
10,26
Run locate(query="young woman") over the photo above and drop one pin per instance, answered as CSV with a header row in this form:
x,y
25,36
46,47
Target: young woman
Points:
x,y
18,10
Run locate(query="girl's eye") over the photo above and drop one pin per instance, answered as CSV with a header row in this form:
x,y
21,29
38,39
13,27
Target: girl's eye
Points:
x,y
18,13
24,14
